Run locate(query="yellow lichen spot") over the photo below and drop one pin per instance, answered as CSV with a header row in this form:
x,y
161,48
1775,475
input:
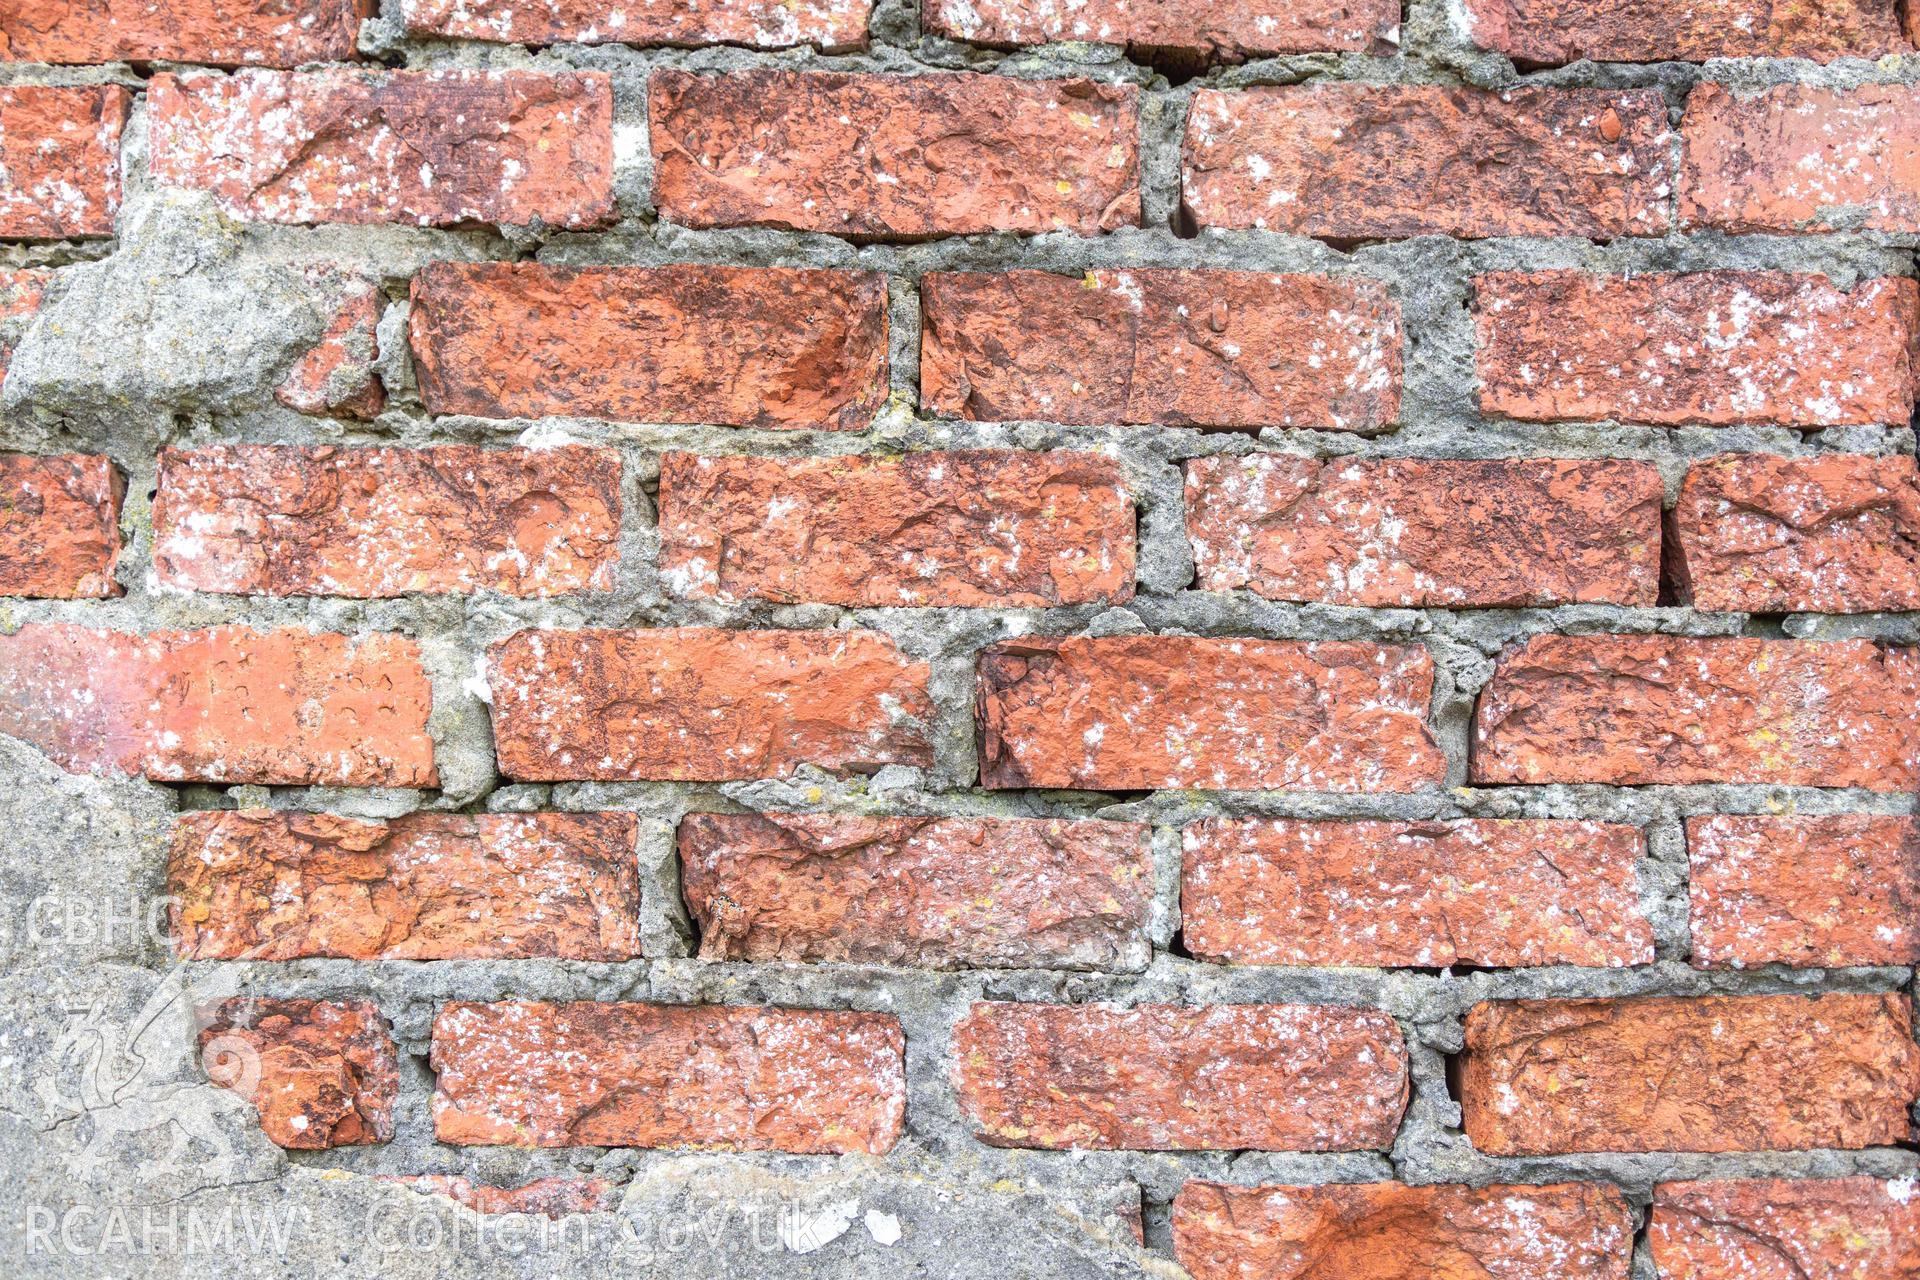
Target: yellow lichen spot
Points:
x,y
1063,187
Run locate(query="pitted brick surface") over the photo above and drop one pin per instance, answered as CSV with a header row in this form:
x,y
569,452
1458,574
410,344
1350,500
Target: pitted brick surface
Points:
x,y
323,1074
1366,162
1634,710
59,525
1711,1073
639,1075
935,893
432,148
974,528
1831,534
894,157
225,704
764,24
261,885
261,33
699,704
1525,892
266,520
1174,711
1400,531
1373,1231
1168,1078
743,347
1207,348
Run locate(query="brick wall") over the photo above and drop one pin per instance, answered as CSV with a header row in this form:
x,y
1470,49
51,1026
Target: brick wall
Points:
x,y
1280,638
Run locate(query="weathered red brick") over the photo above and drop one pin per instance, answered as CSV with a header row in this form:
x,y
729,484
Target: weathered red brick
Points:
x,y
1158,1077
1390,1231
1835,533
256,884
1200,348
1414,532
1713,1073
437,148
831,25
1796,158
1360,162
59,525
1716,347
322,1074
60,160
1196,28
1671,710
1496,893
894,157
225,33
285,520
21,293
547,1197
921,892
692,704
1540,32
971,527
337,376
1839,889
739,346
1127,713
640,1075
1792,1228
227,704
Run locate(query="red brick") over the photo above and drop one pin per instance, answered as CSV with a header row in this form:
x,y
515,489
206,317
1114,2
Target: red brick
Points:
x,y
283,520
547,1197
975,527
1413,532
831,25
1361,162
1794,1229
1540,32
59,525
60,160
322,1074
1721,348
1390,1231
1795,158
1813,891
1494,893
1197,28
1185,348
1714,1074
918,892
262,33
21,293
258,884
691,704
1672,710
1128,713
640,1075
738,346
227,704
1262,1077
337,376
1828,534
437,148
894,157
